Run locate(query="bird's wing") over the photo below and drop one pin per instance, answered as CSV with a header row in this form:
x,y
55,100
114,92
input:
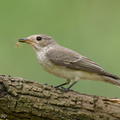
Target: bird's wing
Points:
x,y
70,59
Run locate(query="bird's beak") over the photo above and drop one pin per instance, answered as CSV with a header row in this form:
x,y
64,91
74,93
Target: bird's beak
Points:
x,y
24,40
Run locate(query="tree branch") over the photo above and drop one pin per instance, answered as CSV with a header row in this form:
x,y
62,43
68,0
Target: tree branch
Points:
x,y
28,100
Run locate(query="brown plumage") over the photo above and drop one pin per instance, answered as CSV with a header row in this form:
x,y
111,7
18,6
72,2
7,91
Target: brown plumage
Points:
x,y
76,61
66,63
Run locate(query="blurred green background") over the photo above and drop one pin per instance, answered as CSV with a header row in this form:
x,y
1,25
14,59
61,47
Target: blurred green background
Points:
x,y
90,27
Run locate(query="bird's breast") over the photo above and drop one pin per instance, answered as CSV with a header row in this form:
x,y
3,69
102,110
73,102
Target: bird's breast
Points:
x,y
41,56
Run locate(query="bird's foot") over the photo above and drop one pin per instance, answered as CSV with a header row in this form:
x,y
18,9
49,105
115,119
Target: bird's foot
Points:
x,y
66,89
62,89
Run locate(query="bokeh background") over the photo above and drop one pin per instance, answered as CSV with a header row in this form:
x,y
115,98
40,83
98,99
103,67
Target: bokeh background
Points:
x,y
90,27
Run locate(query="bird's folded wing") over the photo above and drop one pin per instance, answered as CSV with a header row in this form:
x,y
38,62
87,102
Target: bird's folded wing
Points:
x,y
73,60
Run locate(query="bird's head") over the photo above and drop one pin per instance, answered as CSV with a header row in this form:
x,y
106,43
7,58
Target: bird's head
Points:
x,y
38,41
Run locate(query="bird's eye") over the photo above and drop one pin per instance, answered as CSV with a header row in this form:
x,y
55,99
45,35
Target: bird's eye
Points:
x,y
38,38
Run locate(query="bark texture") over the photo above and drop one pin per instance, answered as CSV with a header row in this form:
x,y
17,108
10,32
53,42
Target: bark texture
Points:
x,y
27,100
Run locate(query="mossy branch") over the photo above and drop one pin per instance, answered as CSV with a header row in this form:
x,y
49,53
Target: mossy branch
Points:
x,y
28,100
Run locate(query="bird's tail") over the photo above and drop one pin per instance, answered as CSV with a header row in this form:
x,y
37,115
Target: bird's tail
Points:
x,y
114,81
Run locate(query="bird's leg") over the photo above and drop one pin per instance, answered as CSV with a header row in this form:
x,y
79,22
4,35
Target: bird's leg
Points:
x,y
71,85
76,80
67,82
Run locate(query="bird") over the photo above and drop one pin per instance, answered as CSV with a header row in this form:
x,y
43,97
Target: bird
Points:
x,y
66,63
